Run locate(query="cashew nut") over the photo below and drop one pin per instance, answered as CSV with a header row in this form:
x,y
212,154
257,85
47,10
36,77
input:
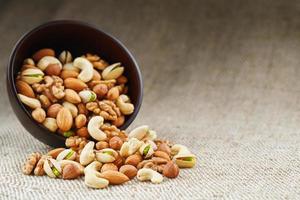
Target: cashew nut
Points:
x,y
125,106
94,128
87,96
86,68
67,154
130,147
106,155
113,71
52,168
87,154
142,133
30,102
146,174
92,176
47,60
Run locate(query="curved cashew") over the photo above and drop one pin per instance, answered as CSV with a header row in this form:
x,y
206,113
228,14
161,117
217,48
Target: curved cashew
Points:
x,y
30,102
125,106
94,128
87,96
52,168
113,71
130,147
142,133
92,176
63,163
47,60
67,154
146,150
86,68
87,154
146,174
106,155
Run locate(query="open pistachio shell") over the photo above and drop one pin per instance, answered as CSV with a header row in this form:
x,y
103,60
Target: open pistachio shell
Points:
x,y
52,168
106,155
113,71
67,154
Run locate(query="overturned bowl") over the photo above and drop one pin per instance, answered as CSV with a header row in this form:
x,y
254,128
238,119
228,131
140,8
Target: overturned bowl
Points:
x,y
79,38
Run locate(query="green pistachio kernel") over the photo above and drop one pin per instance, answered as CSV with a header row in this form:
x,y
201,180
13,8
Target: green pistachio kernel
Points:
x,y
69,155
188,159
108,152
145,151
55,171
34,75
93,97
68,134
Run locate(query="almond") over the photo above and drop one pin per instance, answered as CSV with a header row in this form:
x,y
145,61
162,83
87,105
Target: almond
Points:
x,y
54,152
75,84
80,121
133,160
64,119
42,53
161,154
53,110
129,170
53,69
114,177
71,171
72,96
109,166
25,89
38,115
68,74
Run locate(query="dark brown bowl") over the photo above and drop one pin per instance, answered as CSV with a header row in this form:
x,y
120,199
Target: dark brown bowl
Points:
x,y
79,38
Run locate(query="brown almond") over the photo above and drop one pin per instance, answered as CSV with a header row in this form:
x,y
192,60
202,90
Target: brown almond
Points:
x,y
25,89
71,171
54,152
165,148
129,170
83,132
133,160
75,84
42,53
53,69
68,74
53,110
64,119
115,143
72,96
114,177
109,166
170,170
80,120
161,154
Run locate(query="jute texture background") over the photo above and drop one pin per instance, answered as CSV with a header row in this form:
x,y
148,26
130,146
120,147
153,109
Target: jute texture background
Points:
x,y
220,76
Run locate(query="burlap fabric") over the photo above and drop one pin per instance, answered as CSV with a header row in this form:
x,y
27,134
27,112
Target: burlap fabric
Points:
x,y
221,77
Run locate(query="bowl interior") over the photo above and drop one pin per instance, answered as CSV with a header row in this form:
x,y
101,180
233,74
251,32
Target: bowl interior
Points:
x,y
79,38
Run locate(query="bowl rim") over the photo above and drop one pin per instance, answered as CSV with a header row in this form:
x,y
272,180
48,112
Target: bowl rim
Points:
x,y
11,86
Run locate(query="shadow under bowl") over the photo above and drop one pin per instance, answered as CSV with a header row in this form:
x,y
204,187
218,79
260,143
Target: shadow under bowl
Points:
x,y
79,38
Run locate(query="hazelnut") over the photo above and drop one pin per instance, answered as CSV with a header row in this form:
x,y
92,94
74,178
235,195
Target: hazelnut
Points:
x,y
53,110
134,160
115,143
101,145
171,170
100,90
83,132
129,170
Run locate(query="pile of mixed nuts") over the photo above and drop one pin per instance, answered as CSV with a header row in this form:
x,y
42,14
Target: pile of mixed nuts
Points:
x,y
86,100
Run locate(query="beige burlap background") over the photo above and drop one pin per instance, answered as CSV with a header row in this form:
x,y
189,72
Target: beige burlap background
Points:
x,y
220,76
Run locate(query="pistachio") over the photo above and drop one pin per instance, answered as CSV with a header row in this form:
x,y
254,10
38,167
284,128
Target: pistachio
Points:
x,y
146,150
32,75
185,161
65,57
106,155
67,154
87,96
68,134
113,71
52,168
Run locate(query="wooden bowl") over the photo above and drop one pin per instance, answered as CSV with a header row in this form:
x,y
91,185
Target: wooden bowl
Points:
x,y
79,38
